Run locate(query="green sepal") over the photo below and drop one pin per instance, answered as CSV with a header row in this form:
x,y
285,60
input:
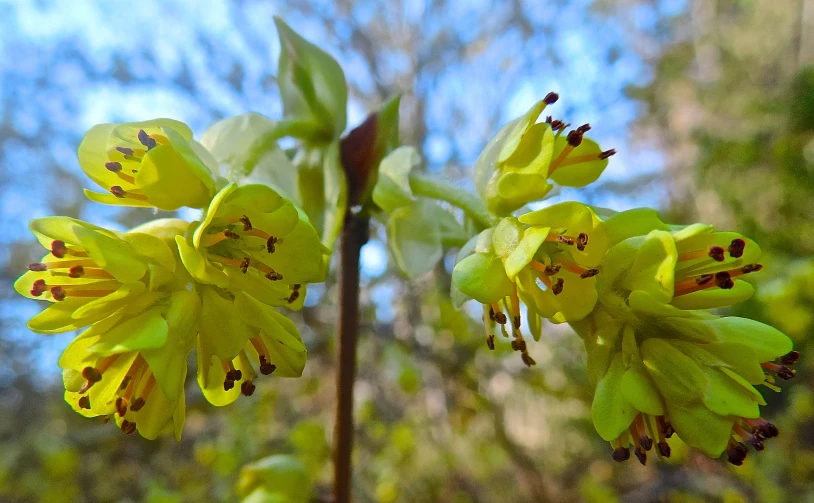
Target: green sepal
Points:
x,y
653,270
482,277
612,414
146,331
638,389
584,173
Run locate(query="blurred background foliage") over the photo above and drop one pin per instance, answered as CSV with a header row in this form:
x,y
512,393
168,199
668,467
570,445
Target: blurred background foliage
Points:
x,y
709,102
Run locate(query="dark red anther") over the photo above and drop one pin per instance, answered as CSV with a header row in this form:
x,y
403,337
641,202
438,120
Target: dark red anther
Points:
x,y
58,293
294,296
574,138
667,429
590,273
501,318
137,405
790,359
91,374
582,241
228,384
641,455
113,166
118,191
490,342
146,140
128,427
58,248
565,240
244,264
247,388
121,406
736,453
584,129
84,402
551,270
528,360
786,373
557,287
518,345
607,153
646,443
724,280
231,235
751,268
621,454
557,124
716,253
266,368
125,150
766,429
551,98
270,244
76,271
736,248
295,286
247,224
38,288
37,267
234,375
664,449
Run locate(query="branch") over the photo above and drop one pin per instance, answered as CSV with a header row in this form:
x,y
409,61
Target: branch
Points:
x,y
354,235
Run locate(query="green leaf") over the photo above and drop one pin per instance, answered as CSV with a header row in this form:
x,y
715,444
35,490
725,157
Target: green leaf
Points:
x,y
336,195
312,84
414,241
392,190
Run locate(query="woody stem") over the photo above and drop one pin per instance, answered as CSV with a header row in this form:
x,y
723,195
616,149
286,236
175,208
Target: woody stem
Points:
x,y
354,235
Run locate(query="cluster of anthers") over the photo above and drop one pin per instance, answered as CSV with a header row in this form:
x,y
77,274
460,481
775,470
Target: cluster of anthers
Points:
x,y
125,162
72,263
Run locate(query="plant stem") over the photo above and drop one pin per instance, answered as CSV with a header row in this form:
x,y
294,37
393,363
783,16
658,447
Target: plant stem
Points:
x,y
470,203
354,235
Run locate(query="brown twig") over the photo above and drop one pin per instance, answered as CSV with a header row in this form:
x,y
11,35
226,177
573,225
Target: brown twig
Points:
x,y
354,235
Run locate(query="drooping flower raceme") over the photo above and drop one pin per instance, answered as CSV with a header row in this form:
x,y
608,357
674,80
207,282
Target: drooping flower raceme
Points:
x,y
132,290
153,163
545,259
252,251
517,164
662,366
